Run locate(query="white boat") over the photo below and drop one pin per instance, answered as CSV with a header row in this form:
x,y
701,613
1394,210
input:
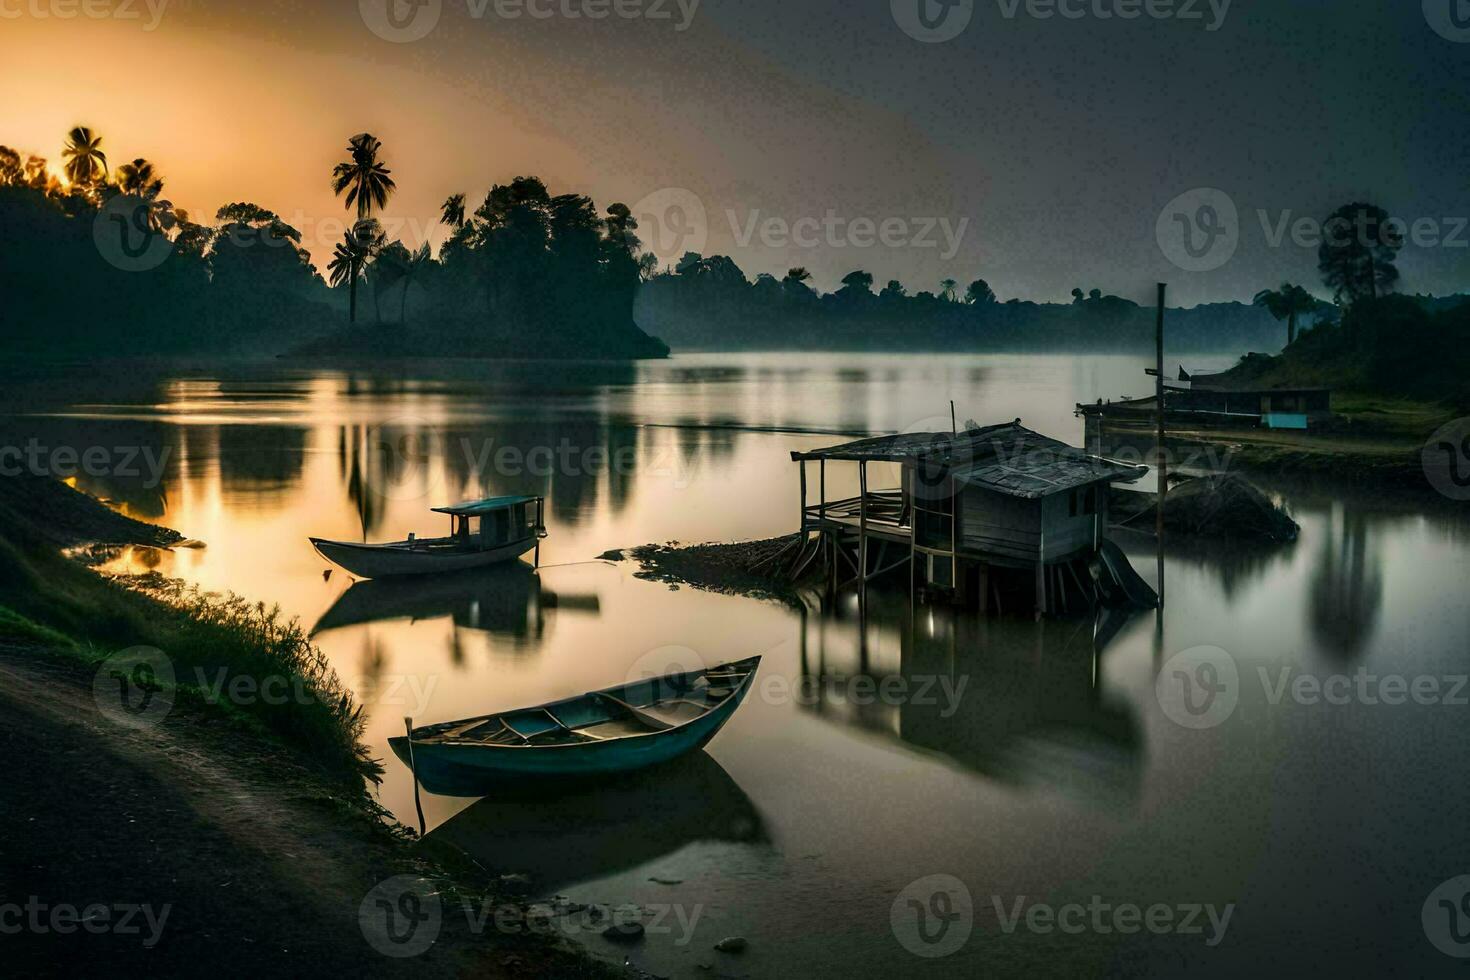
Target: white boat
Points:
x,y
508,528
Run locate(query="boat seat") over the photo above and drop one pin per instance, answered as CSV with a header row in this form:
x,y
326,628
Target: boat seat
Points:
x,y
637,713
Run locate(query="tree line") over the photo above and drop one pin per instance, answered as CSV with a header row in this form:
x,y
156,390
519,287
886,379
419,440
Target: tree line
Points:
x,y
525,273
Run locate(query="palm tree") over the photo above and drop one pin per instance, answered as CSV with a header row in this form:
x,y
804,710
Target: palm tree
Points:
x,y
85,162
799,274
417,261
142,180
1287,303
368,186
351,255
452,212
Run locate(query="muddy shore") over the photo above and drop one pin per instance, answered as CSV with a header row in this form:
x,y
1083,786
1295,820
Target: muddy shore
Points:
x,y
201,838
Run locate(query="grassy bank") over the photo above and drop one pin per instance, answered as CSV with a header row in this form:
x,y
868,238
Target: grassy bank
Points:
x,y
69,610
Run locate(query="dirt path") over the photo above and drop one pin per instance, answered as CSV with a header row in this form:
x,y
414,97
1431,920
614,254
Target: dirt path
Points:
x,y
219,854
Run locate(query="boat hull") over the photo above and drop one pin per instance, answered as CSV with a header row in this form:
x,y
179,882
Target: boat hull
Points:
x,y
472,770
396,560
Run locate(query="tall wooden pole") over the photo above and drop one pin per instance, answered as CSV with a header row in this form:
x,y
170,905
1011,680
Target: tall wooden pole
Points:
x,y
1161,460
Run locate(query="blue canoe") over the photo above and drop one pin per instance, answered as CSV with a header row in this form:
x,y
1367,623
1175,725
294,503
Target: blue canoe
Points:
x,y
616,730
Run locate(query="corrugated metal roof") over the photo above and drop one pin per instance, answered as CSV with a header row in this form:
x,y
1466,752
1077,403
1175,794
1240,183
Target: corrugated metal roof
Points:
x,y
477,508
1009,459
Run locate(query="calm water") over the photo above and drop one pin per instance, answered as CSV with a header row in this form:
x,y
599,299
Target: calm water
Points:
x,y
1012,756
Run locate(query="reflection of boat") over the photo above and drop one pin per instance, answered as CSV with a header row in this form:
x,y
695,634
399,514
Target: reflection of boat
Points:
x,y
564,833
619,729
507,600
508,529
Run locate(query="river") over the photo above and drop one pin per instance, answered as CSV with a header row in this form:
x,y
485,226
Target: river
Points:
x,y
831,820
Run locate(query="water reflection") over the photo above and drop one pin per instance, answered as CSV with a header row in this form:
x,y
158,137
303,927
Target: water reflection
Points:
x,y
508,602
587,831
1013,699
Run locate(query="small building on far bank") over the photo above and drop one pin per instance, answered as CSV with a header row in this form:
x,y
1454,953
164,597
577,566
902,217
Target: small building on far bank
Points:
x,y
1213,401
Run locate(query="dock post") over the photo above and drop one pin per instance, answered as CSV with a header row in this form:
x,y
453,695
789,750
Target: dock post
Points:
x,y
1161,460
863,524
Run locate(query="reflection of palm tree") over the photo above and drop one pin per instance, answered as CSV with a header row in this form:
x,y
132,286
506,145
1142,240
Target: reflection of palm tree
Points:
x,y
85,162
368,186
1347,590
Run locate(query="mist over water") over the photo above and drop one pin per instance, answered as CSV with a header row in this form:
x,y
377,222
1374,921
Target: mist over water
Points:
x,y
1015,756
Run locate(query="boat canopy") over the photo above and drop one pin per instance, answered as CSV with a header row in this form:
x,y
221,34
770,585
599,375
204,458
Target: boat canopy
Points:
x,y
478,508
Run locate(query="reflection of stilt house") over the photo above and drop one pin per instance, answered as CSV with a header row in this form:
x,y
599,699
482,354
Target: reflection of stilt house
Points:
x,y
974,513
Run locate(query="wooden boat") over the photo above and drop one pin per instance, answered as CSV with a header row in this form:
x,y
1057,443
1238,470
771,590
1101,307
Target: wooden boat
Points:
x,y
619,729
508,528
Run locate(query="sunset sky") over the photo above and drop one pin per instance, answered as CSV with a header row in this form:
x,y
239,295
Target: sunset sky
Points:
x,y
1054,143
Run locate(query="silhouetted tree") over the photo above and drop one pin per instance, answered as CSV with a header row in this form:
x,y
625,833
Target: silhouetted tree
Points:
x,y
452,211
1287,303
86,164
368,186
1356,257
947,290
979,293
